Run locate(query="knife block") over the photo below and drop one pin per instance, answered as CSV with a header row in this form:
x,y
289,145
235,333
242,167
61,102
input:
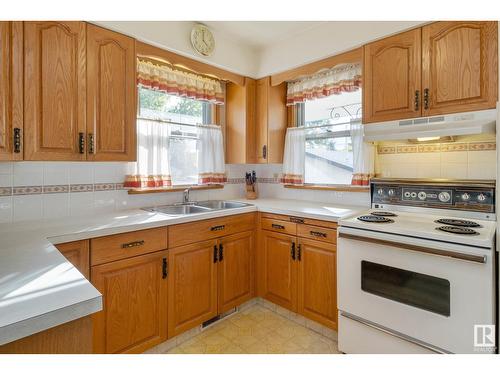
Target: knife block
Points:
x,y
251,191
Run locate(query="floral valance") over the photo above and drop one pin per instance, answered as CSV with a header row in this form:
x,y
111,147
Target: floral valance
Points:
x,y
344,78
177,82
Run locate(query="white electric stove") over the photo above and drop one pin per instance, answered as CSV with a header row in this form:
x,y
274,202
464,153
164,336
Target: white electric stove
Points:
x,y
416,273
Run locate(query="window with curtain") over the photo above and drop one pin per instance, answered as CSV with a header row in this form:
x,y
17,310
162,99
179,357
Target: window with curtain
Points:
x,y
328,110
175,129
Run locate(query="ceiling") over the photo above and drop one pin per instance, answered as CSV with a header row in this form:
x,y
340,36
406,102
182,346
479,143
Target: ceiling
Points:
x,y
259,34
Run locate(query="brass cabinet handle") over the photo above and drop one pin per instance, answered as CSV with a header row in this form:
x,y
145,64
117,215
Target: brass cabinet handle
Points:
x,y
221,253
81,143
417,100
164,268
217,227
132,244
317,234
277,226
91,143
292,251
426,98
17,140
215,253
264,152
297,220
299,252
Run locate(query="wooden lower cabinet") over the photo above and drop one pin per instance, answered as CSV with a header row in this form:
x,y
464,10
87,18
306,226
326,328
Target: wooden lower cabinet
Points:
x,y
77,253
74,337
192,292
299,274
134,315
317,282
279,269
235,270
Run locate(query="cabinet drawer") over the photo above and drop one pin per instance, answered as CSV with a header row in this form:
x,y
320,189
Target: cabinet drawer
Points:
x,y
126,245
184,234
317,233
280,226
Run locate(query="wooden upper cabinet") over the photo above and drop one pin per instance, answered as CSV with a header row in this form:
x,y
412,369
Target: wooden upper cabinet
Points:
x,y
54,90
235,270
459,66
391,78
192,291
134,315
317,282
240,122
271,121
11,89
111,95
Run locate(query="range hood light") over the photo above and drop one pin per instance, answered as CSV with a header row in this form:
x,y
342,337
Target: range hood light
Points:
x,y
427,139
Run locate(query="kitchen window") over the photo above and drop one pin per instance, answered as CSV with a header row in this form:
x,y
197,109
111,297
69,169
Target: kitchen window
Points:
x,y
181,115
328,143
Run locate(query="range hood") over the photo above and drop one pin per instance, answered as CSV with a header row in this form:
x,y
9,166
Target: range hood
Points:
x,y
466,123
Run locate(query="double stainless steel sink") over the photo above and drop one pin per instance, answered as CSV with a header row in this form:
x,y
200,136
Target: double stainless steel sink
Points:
x,y
196,207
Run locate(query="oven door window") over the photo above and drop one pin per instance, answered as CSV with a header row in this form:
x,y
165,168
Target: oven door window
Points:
x,y
415,289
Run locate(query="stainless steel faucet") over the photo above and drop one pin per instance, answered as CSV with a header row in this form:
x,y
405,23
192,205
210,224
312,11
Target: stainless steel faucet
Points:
x,y
185,196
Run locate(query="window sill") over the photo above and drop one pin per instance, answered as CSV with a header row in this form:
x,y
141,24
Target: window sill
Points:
x,y
174,189
350,188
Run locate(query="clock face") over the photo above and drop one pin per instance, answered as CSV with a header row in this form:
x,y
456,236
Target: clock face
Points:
x,y
202,40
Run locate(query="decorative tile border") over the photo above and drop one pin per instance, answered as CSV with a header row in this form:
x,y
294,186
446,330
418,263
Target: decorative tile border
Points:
x,y
436,147
6,191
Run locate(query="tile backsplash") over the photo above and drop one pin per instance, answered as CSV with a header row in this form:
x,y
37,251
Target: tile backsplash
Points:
x,y
44,190
472,157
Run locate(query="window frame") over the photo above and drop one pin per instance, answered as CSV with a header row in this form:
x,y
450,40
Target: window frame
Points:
x,y
211,114
299,112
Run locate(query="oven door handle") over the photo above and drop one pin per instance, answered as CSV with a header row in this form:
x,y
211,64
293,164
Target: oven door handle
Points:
x,y
394,333
421,249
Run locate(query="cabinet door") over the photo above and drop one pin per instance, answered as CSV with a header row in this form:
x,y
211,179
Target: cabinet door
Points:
x,y
192,293
11,88
317,285
77,253
111,90
54,90
280,269
276,123
235,270
134,315
261,118
460,66
392,74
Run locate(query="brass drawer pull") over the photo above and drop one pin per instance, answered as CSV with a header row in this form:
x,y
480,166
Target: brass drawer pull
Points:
x,y
278,226
217,227
132,244
81,143
317,234
91,143
426,99
297,220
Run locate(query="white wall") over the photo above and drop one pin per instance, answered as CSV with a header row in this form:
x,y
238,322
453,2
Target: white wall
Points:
x,y
175,36
327,39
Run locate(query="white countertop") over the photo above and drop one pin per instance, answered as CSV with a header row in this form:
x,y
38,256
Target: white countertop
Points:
x,y
40,289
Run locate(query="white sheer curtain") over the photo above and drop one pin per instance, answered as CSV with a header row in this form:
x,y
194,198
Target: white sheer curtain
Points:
x,y
211,165
294,157
363,156
153,165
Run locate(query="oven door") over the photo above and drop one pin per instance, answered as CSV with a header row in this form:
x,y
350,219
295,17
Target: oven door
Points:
x,y
427,291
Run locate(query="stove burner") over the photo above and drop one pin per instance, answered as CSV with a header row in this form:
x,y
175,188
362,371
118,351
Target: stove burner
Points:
x,y
383,213
375,219
457,230
458,223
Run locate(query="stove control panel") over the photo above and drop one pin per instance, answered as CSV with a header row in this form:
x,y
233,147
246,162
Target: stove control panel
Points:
x,y
468,198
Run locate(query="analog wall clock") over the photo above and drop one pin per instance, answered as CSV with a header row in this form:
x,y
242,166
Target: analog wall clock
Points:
x,y
202,40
